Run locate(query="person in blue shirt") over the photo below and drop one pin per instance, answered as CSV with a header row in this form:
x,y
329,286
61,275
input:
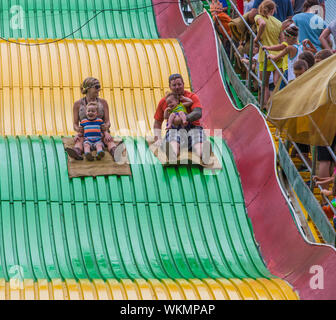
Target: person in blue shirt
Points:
x,y
284,10
224,4
310,24
298,5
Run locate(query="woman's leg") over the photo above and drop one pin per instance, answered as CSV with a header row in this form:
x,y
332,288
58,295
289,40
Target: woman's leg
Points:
x,y
77,151
115,149
79,140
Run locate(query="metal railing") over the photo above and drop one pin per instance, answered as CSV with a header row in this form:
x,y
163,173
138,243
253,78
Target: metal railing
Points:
x,y
261,83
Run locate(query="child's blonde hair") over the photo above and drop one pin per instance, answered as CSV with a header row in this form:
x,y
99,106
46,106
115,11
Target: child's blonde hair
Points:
x,y
266,7
92,103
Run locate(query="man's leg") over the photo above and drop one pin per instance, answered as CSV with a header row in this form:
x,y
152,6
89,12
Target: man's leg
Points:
x,y
171,145
200,145
175,148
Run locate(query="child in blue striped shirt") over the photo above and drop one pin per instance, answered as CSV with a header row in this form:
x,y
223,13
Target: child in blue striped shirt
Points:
x,y
92,132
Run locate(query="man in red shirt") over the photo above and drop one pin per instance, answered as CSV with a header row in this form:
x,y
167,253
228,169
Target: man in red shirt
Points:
x,y
191,135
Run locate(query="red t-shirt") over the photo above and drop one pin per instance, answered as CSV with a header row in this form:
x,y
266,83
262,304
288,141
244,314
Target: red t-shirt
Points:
x,y
163,105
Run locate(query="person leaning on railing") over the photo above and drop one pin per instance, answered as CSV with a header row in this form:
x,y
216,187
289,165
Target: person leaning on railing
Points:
x,y
269,34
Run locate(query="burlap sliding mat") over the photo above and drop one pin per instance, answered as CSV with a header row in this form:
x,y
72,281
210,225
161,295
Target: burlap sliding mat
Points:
x,y
104,167
185,158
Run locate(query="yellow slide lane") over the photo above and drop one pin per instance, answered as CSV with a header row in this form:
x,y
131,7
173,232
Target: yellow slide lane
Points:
x,y
153,289
39,84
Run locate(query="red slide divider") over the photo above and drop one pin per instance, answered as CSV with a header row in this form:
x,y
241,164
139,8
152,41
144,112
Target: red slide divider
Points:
x,y
285,252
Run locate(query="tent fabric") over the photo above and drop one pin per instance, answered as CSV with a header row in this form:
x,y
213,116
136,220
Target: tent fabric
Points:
x,y
305,110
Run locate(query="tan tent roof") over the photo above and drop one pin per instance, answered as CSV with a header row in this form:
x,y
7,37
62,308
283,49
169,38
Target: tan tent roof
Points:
x,y
305,110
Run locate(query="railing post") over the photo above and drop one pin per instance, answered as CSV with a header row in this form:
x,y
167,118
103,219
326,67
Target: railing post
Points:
x,y
263,83
313,172
249,80
231,53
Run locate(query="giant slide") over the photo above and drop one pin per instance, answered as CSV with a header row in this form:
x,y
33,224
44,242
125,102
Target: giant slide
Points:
x,y
161,233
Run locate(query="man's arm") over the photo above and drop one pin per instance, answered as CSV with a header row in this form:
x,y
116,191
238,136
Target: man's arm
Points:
x,y
194,115
187,102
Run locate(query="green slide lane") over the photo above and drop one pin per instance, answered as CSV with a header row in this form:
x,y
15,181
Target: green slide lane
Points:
x,y
56,19
175,222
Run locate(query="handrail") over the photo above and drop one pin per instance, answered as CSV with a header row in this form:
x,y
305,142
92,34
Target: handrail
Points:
x,y
254,36
237,52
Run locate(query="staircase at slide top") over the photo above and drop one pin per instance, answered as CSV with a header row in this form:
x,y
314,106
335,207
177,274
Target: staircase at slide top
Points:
x,y
161,233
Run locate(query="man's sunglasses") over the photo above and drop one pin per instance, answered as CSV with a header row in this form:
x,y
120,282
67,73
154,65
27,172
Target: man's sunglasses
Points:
x,y
97,87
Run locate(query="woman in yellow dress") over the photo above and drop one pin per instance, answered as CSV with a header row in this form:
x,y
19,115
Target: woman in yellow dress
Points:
x,y
269,34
